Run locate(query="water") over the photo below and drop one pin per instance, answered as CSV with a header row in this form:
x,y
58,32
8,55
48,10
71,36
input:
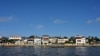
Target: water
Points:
x,y
47,51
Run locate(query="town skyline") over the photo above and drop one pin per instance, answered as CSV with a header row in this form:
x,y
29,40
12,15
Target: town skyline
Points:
x,y
50,17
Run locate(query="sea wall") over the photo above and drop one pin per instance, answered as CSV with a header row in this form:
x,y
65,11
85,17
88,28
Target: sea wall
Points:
x,y
51,45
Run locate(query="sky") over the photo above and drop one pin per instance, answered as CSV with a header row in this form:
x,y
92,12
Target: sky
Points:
x,y
50,17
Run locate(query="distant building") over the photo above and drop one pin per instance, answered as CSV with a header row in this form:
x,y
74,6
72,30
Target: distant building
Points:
x,y
15,38
53,40
45,39
80,40
30,41
25,40
19,42
62,40
37,41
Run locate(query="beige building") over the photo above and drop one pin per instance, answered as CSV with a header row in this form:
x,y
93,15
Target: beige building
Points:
x,y
19,42
52,40
62,40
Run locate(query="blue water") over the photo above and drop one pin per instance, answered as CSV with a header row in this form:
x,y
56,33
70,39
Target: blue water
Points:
x,y
47,51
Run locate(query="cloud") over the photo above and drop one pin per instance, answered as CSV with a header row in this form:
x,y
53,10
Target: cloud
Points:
x,y
39,27
58,21
6,19
98,19
89,21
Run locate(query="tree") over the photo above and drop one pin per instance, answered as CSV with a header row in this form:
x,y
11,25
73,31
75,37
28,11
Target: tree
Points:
x,y
32,36
11,41
65,37
92,39
96,38
4,40
72,39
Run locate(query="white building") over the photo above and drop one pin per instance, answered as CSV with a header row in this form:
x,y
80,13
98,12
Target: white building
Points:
x,y
80,40
45,39
30,41
15,38
37,41
62,40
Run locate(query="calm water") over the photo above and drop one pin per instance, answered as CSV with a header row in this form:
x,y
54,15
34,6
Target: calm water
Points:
x,y
38,51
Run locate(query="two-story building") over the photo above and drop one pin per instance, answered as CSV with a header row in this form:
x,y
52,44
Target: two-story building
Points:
x,y
30,41
62,40
37,41
80,40
15,38
45,40
53,40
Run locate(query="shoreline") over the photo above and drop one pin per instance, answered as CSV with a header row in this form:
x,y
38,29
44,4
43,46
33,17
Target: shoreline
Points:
x,y
54,46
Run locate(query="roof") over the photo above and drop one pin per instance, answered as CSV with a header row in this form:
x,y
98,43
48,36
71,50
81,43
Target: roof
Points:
x,y
78,37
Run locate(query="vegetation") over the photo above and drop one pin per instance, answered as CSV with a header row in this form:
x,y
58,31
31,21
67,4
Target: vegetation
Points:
x,y
72,40
32,36
93,39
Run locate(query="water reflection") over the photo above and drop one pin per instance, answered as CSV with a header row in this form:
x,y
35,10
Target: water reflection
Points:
x,y
81,51
40,51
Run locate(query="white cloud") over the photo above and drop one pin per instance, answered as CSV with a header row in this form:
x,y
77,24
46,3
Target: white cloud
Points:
x,y
6,19
89,21
39,27
58,21
98,19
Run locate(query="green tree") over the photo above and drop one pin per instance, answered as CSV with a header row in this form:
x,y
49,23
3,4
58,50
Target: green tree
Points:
x,y
32,36
72,39
11,41
4,40
96,38
65,37
92,39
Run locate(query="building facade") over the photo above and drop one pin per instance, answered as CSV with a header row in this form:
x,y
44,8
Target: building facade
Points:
x,y
62,40
37,41
15,38
80,40
45,40
53,40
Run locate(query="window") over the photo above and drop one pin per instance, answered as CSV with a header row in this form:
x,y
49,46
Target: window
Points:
x,y
78,40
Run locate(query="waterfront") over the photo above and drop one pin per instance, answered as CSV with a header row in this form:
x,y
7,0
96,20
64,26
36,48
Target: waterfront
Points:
x,y
47,51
